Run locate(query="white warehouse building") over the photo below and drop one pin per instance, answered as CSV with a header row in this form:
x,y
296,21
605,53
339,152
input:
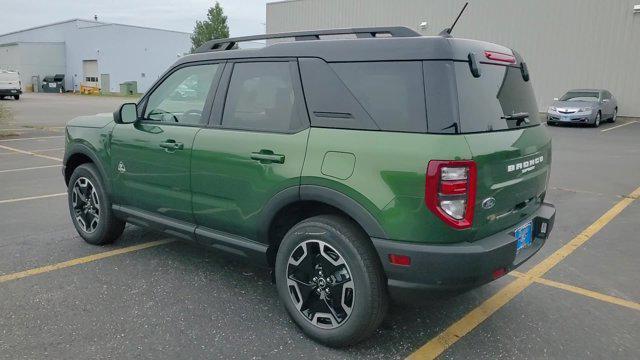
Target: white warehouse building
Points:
x,y
92,53
567,44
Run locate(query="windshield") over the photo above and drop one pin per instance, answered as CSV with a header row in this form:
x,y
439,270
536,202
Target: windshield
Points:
x,y
580,96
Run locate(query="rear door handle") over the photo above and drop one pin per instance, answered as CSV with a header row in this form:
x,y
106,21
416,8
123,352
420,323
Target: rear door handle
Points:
x,y
267,157
172,145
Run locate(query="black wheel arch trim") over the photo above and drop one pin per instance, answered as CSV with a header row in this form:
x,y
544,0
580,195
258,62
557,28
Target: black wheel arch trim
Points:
x,y
345,203
324,195
85,150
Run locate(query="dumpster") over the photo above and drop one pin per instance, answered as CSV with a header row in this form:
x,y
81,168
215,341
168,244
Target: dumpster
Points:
x,y
53,84
129,88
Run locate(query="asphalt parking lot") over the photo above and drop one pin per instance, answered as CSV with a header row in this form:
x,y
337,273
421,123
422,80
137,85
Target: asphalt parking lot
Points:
x,y
148,296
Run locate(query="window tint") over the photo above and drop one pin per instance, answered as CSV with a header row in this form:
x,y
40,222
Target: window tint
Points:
x,y
498,100
261,97
181,96
392,93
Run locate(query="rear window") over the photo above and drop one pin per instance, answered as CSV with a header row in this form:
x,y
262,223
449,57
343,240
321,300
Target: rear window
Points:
x,y
499,99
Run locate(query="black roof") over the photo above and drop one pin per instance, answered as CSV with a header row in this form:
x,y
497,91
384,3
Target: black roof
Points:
x,y
402,44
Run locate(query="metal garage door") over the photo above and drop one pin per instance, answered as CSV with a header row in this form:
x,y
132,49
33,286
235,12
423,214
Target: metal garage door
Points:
x,y
90,71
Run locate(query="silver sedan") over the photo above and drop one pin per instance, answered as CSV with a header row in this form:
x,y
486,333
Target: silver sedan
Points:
x,y
583,106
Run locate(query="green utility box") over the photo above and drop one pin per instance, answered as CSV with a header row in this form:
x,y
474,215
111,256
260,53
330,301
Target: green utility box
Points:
x,y
129,88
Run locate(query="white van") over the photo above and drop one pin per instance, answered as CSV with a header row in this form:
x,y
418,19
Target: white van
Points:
x,y
10,84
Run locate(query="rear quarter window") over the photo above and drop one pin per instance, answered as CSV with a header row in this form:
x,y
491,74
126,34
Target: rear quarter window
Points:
x,y
385,96
485,103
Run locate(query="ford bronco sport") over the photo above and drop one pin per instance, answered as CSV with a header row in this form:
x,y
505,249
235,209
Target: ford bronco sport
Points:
x,y
360,169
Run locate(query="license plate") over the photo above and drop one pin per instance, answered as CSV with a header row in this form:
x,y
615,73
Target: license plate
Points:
x,y
524,236
565,118
52,85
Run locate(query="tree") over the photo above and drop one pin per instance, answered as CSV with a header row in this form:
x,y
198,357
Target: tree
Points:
x,y
215,27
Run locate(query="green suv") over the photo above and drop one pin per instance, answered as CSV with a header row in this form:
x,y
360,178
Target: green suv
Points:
x,y
360,164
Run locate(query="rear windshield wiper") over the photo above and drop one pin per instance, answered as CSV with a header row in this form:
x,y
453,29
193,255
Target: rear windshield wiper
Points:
x,y
520,117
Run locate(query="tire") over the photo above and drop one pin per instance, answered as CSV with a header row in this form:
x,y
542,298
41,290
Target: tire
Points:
x,y
360,282
95,223
551,123
17,97
596,122
615,116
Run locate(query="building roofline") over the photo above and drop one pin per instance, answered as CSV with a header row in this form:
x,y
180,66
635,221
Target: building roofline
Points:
x,y
96,23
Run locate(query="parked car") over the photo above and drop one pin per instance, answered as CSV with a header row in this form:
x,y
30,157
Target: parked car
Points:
x,y
357,169
10,84
583,106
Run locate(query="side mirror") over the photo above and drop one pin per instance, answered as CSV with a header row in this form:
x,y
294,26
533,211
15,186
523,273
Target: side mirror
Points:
x,y
126,114
555,99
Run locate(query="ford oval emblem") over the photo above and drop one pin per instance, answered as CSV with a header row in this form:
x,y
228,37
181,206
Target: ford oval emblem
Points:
x,y
488,203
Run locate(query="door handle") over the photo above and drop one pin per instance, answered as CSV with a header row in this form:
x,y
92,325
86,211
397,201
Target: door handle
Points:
x,y
172,145
267,157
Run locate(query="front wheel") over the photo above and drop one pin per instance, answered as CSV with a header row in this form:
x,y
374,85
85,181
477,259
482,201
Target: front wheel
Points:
x,y
596,122
615,116
17,97
90,207
330,279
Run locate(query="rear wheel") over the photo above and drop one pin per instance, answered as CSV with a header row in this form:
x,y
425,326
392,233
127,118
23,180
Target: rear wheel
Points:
x,y
90,207
330,280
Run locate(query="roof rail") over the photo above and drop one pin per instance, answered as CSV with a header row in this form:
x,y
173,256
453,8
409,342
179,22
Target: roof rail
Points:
x,y
230,43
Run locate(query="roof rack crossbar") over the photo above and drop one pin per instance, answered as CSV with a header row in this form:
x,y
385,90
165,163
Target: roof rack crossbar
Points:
x,y
230,43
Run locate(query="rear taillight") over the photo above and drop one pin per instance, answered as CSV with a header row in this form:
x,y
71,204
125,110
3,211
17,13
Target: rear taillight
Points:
x,y
450,191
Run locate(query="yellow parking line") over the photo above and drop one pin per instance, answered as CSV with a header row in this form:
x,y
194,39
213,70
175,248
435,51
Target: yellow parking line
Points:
x,y
30,168
581,291
475,317
29,153
31,198
82,260
621,125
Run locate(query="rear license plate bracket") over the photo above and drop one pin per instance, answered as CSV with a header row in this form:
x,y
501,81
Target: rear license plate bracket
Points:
x,y
524,236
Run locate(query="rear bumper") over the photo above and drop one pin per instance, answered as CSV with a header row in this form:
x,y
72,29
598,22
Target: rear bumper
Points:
x,y
453,268
10,92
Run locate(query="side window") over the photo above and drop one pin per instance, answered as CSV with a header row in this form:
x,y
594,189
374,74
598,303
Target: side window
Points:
x,y
365,95
181,97
391,92
261,97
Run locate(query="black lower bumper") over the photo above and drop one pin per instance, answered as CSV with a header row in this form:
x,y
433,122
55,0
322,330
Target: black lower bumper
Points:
x,y
10,92
453,268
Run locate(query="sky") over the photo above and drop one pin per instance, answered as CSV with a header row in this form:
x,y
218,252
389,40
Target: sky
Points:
x,y
245,17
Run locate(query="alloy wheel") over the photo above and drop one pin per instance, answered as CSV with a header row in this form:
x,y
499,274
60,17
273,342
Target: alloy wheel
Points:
x,y
86,204
320,284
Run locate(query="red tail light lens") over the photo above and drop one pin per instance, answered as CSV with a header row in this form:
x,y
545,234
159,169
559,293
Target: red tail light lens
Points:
x,y
450,191
501,57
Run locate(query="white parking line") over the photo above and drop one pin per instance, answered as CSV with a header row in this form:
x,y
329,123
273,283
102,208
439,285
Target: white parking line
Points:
x,y
35,151
32,138
29,153
621,125
29,168
31,198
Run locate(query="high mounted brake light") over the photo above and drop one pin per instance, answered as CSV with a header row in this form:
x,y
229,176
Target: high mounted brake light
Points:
x,y
500,57
450,191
